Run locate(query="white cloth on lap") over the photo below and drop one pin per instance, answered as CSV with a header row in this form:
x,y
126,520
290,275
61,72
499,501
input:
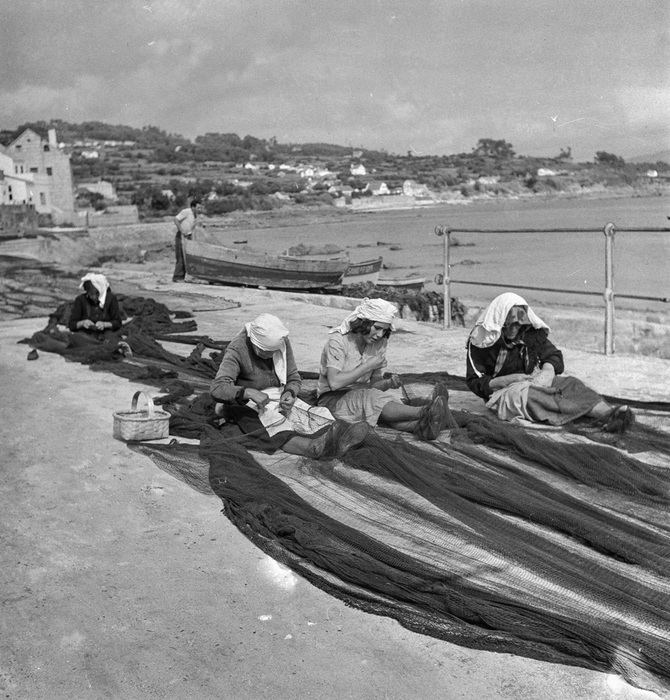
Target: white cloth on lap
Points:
x,y
302,418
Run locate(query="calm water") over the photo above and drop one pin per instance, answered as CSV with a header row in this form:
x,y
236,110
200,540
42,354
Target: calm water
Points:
x,y
574,261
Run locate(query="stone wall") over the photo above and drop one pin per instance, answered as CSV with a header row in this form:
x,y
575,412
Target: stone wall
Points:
x,y
17,220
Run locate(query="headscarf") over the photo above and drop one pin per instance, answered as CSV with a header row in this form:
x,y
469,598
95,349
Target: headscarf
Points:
x,y
99,282
267,333
489,325
371,309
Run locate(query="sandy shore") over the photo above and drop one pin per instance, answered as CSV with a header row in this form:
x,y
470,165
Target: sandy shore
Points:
x,y
120,581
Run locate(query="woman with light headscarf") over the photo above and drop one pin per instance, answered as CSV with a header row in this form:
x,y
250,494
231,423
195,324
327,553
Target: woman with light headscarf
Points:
x,y
258,383
350,376
96,311
515,368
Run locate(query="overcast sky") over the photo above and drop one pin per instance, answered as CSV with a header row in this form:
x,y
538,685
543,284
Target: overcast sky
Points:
x,y
432,76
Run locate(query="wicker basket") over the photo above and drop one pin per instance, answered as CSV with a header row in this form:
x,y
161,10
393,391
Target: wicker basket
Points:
x,y
151,424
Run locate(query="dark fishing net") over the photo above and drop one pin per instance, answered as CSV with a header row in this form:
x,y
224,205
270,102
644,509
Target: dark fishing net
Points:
x,y
462,547
553,546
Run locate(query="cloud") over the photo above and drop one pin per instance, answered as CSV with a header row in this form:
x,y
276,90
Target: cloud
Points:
x,y
392,74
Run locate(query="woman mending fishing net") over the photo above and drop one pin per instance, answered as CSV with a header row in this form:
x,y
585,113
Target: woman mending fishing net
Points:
x,y
350,377
258,383
95,313
515,368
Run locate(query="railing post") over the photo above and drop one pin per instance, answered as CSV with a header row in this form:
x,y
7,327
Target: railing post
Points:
x,y
446,281
609,232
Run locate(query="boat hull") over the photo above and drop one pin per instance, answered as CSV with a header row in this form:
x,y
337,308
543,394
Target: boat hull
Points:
x,y
410,284
364,272
216,263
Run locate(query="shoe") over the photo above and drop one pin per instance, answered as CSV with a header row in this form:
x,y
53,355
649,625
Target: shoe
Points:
x,y
619,420
432,420
178,279
339,439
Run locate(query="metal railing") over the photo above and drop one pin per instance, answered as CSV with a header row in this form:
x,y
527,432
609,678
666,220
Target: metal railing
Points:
x,y
608,293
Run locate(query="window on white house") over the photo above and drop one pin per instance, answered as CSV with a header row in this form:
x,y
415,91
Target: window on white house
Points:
x,y
43,198
33,170
50,171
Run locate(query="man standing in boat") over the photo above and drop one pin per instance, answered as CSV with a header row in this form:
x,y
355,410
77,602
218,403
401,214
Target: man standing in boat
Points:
x,y
186,222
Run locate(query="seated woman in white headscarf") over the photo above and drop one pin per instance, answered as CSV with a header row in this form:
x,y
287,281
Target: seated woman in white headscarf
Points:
x,y
350,376
95,312
515,368
258,384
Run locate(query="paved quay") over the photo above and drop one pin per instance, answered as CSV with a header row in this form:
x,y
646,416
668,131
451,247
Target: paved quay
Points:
x,y
120,581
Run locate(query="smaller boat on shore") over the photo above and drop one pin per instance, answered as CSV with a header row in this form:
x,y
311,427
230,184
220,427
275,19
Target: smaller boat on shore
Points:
x,y
403,284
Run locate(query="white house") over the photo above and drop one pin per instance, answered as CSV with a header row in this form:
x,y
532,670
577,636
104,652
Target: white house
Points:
x,y
15,187
414,189
358,169
488,180
103,187
377,188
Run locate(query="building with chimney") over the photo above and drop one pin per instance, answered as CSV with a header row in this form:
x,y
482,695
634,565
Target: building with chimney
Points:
x,y
49,168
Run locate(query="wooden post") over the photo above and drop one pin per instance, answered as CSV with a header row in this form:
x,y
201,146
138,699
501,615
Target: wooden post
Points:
x,y
609,232
446,281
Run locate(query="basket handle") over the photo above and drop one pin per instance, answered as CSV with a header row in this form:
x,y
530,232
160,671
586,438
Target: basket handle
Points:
x,y
147,398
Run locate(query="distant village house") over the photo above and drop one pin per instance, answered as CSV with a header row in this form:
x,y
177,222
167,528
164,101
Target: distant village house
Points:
x,y
102,187
377,188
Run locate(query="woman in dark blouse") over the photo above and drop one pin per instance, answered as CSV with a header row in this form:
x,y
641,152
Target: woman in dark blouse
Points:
x,y
516,369
257,384
96,312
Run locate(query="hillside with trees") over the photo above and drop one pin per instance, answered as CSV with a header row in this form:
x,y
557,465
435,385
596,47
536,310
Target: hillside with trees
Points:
x,y
158,171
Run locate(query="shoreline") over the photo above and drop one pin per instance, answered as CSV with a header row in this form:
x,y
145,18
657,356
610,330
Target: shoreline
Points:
x,y
274,217
146,250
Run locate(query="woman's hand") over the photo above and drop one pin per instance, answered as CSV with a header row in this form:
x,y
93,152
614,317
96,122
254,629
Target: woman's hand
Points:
x,y
286,401
101,325
393,382
86,323
260,398
545,377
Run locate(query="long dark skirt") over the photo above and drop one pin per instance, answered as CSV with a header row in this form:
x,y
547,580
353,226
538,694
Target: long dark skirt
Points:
x,y
571,400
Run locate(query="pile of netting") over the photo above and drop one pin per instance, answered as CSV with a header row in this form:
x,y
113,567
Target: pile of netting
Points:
x,y
423,305
551,545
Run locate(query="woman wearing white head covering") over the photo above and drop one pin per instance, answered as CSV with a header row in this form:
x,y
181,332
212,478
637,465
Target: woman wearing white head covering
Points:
x,y
95,311
515,368
350,376
258,384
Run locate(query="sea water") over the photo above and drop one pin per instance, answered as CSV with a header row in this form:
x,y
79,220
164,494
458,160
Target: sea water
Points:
x,y
564,261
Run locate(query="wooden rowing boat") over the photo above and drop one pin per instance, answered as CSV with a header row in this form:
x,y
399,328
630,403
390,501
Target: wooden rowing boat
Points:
x,y
243,267
406,284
